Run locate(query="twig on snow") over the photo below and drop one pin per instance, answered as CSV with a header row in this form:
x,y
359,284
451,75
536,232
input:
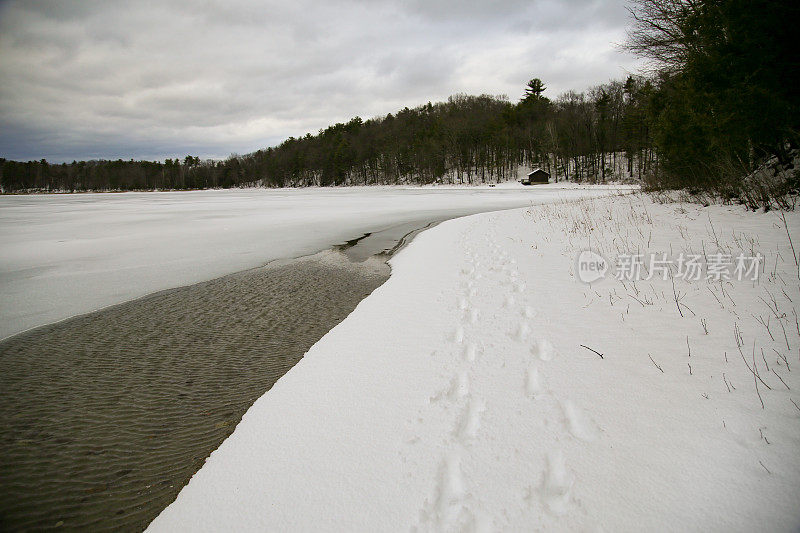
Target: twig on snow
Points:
x,y
798,407
794,254
785,360
592,350
754,372
658,367
780,378
675,295
755,381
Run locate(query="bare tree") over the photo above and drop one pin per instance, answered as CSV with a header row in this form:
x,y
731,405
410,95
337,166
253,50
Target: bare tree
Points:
x,y
661,31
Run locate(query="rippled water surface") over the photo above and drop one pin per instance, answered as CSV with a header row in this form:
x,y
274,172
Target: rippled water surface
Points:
x,y
104,417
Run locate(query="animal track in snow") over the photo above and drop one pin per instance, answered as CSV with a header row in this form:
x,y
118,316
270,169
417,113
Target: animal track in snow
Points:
x,y
470,421
449,509
461,384
543,349
458,388
578,423
458,335
448,500
556,487
470,351
533,384
522,331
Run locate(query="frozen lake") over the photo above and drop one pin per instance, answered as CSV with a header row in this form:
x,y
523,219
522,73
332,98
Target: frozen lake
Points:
x,y
68,254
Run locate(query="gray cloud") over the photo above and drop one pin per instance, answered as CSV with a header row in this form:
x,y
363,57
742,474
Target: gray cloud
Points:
x,y
88,79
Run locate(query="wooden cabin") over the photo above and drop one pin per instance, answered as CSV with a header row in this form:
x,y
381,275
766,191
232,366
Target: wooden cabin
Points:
x,y
536,176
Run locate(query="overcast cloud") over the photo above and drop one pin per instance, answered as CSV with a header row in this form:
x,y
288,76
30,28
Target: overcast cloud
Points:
x,y
109,79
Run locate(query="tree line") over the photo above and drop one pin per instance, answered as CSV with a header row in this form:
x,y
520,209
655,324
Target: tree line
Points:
x,y
721,97
467,139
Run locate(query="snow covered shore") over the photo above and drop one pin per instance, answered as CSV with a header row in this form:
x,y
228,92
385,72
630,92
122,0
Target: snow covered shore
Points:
x,y
469,392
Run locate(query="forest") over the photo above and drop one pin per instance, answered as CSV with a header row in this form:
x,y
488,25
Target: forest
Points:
x,y
468,139
719,99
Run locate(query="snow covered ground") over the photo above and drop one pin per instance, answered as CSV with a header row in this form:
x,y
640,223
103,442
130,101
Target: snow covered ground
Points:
x,y
67,254
458,396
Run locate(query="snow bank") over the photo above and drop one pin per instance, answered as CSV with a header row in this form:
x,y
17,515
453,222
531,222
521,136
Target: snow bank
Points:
x,y
458,395
69,254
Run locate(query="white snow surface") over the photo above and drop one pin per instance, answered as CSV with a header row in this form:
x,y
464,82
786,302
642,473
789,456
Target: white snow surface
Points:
x,y
68,254
457,396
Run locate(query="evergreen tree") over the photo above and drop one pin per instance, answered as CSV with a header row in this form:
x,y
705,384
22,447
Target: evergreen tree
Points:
x,y
534,90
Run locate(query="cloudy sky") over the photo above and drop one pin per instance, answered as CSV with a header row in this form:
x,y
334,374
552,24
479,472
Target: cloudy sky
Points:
x,y
91,79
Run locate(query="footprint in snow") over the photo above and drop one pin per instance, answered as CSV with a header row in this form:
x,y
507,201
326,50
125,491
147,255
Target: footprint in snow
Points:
x,y
470,351
522,331
556,489
458,335
579,424
533,385
543,349
458,388
443,512
470,421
